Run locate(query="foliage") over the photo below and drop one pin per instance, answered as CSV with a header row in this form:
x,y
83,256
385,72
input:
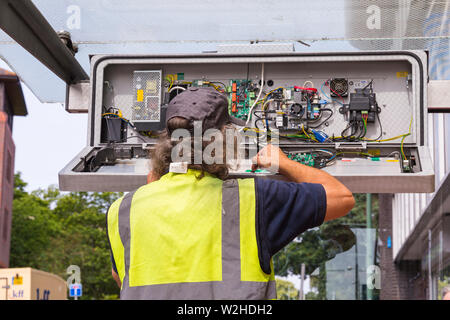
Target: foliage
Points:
x,y
286,290
52,231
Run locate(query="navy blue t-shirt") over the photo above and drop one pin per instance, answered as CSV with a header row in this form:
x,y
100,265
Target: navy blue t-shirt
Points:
x,y
284,210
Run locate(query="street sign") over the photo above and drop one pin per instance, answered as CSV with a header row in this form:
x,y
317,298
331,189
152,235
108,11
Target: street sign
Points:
x,y
75,290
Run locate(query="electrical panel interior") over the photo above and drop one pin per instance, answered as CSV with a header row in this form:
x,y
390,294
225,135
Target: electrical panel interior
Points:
x,y
345,116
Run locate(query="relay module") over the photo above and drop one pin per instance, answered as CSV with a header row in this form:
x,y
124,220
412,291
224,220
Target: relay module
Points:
x,y
358,116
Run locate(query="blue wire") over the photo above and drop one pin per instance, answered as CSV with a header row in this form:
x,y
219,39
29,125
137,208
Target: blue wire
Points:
x,y
321,89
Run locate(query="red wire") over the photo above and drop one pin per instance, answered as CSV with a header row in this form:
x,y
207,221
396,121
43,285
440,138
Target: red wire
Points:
x,y
307,89
343,101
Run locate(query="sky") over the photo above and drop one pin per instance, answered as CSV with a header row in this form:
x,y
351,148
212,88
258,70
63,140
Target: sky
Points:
x,y
46,140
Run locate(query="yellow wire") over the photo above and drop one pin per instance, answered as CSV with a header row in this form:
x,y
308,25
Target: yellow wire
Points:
x,y
171,79
409,133
117,115
265,97
311,138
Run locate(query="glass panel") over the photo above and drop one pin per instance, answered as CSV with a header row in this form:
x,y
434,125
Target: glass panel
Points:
x,y
142,27
340,257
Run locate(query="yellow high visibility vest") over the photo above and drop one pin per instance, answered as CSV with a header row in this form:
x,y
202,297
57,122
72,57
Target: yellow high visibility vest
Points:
x,y
187,238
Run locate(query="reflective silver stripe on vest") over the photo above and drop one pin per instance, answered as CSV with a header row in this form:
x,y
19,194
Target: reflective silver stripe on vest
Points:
x,y
124,232
231,286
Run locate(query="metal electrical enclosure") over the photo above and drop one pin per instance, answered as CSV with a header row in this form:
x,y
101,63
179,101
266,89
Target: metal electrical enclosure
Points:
x,y
138,88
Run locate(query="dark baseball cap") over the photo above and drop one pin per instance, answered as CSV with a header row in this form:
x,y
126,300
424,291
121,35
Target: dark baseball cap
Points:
x,y
202,104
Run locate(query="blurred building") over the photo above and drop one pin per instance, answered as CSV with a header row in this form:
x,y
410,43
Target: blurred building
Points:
x,y
12,103
31,284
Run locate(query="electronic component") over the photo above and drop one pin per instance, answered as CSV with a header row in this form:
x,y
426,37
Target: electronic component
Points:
x,y
304,158
146,106
241,96
339,87
297,109
314,158
114,129
363,101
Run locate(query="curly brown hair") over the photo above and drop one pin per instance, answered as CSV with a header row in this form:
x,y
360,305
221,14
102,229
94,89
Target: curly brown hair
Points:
x,y
161,155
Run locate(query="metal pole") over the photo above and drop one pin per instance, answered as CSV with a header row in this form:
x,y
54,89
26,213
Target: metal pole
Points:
x,y
356,271
301,295
430,276
369,240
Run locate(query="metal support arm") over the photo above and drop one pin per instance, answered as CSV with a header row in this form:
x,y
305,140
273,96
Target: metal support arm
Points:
x,y
23,22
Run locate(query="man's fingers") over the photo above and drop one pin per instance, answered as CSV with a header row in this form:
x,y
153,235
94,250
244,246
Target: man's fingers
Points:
x,y
255,162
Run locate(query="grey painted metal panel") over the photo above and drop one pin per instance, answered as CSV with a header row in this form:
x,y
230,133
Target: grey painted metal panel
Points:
x,y
359,176
78,97
439,96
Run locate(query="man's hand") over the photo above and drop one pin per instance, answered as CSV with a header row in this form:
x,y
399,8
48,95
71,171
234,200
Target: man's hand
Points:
x,y
271,157
116,278
339,199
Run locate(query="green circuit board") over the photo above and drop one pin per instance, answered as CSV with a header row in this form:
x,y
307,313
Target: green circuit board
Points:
x,y
307,159
240,98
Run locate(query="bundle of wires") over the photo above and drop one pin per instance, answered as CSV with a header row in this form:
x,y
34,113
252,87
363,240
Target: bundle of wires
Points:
x,y
331,89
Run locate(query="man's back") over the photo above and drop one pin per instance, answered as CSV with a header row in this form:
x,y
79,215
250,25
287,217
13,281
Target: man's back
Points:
x,y
190,236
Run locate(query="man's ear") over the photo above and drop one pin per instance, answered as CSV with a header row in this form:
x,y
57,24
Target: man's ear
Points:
x,y
152,177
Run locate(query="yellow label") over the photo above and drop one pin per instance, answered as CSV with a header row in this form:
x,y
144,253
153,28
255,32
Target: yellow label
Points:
x,y
17,280
402,74
140,96
391,160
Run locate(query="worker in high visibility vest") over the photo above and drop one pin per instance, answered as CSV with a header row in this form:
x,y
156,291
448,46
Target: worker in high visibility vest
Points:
x,y
191,233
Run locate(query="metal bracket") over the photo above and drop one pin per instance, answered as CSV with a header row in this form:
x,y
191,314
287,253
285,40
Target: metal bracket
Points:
x,y
78,97
23,22
439,96
351,146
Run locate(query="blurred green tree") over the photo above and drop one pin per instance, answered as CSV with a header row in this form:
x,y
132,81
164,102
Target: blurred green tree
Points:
x,y
317,246
286,290
52,231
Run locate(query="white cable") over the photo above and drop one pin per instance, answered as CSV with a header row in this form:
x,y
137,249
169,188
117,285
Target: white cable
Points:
x,y
177,88
306,82
259,96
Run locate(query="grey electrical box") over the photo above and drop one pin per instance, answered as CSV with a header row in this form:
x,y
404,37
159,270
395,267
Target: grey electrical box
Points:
x,y
361,116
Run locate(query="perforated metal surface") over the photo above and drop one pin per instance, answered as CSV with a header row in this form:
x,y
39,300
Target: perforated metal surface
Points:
x,y
146,93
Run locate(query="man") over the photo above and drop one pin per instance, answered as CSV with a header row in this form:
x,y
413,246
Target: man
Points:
x,y
191,234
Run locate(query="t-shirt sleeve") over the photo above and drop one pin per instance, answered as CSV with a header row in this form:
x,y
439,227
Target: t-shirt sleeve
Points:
x,y
284,211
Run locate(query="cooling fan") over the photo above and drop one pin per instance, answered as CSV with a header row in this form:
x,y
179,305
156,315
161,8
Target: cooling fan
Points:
x,y
339,87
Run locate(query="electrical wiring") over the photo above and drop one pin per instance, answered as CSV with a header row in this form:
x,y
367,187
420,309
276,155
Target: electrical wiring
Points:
x,y
259,95
343,101
267,103
268,94
170,78
349,152
323,92
177,88
308,82
309,137
222,84
119,116
329,117
403,140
